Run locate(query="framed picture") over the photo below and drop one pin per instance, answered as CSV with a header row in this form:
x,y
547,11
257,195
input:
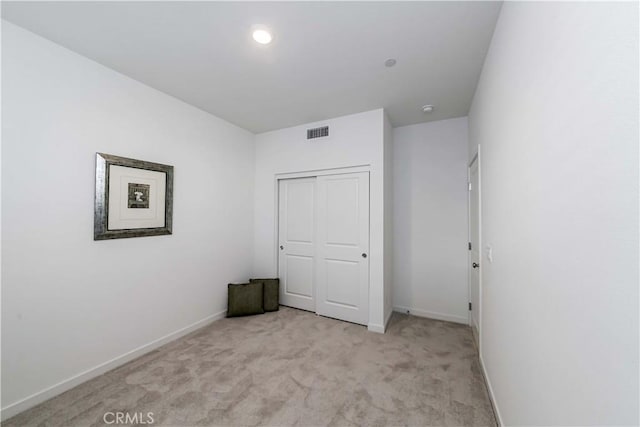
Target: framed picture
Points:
x,y
134,198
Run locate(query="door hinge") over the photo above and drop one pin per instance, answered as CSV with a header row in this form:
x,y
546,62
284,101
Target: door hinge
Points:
x,y
469,306
469,186
469,245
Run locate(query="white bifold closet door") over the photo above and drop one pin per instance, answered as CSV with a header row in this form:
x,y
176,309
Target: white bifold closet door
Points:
x,y
324,244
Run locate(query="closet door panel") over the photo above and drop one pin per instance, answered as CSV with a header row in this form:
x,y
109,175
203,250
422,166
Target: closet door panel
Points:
x,y
297,243
342,284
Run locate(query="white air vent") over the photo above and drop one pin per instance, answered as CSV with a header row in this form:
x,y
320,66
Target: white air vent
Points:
x,y
318,132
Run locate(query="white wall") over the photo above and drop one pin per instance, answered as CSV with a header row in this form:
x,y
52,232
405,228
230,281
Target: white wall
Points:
x,y
70,304
388,219
556,114
430,220
355,140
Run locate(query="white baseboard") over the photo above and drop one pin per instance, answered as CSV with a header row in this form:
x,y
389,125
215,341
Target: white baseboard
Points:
x,y
431,314
386,321
492,397
49,392
375,327
381,329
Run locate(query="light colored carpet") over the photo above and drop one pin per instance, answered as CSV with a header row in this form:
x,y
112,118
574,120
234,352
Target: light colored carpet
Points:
x,y
290,368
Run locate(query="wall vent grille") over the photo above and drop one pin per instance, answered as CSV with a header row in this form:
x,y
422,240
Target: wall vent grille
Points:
x,y
318,132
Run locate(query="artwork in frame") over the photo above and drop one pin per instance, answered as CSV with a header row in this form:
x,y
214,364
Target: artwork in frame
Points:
x,y
134,198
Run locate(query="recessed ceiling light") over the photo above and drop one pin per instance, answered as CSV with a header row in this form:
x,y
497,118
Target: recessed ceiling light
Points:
x,y
262,36
427,108
390,62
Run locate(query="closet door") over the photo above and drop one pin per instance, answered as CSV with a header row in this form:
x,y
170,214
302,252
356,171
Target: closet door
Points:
x,y
342,285
297,244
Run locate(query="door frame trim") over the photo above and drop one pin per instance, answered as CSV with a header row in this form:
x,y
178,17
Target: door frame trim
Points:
x,y
475,159
322,172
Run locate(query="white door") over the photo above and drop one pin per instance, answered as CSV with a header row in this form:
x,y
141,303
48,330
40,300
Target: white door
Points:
x,y
297,244
342,286
474,253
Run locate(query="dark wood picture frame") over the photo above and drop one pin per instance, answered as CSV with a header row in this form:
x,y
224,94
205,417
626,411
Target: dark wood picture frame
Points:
x,y
101,213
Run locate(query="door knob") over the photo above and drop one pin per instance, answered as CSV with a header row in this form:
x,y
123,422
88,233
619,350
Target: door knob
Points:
x,y
475,265
281,247
364,255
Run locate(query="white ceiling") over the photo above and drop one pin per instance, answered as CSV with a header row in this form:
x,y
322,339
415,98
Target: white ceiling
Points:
x,y
326,60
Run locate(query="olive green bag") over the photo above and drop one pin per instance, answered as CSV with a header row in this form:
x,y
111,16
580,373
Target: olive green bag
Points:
x,y
271,301
245,299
